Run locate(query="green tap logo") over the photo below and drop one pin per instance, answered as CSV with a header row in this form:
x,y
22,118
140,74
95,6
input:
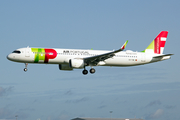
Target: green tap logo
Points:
x,y
43,54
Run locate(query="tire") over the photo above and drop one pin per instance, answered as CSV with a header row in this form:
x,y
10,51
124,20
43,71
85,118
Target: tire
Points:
x,y
85,72
25,69
92,70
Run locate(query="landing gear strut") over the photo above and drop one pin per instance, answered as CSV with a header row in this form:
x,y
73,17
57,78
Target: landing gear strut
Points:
x,y
25,69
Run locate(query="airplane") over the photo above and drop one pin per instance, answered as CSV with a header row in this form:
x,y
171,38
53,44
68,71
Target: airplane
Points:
x,y
69,59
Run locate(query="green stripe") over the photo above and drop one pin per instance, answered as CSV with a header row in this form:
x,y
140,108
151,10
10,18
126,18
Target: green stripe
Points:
x,y
151,46
39,54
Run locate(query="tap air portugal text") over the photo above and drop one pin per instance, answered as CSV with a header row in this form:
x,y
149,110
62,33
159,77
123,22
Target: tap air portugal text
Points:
x,y
69,59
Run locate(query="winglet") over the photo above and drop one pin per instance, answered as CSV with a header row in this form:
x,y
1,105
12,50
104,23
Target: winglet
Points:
x,y
124,45
122,48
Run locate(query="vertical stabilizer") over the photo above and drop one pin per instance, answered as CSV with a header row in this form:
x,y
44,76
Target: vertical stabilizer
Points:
x,y
158,44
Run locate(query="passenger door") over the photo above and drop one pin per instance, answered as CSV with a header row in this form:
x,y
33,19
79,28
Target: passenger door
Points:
x,y
143,57
27,52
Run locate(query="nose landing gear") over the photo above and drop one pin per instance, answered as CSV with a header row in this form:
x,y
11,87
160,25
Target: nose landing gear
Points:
x,y
25,69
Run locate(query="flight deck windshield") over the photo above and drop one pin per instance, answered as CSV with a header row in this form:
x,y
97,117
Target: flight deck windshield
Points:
x,y
16,51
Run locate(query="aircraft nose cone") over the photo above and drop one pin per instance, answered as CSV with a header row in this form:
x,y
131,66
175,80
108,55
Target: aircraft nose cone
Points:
x,y
10,57
13,57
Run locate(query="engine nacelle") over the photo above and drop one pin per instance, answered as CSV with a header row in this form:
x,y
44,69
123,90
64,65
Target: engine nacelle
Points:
x,y
65,67
76,63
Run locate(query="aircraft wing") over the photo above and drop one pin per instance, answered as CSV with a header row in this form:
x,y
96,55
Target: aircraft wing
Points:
x,y
94,60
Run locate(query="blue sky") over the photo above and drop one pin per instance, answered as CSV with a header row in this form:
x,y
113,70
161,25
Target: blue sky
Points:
x,y
148,91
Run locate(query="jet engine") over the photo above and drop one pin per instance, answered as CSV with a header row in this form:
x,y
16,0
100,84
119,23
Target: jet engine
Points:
x,y
65,67
76,63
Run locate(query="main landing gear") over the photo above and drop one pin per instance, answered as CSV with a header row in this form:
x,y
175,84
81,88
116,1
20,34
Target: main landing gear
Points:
x,y
25,69
85,72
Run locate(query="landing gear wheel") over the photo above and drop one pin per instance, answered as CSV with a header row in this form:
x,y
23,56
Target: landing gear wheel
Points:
x,y
85,72
92,70
25,69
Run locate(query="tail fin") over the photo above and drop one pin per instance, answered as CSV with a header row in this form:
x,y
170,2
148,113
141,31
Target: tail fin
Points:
x,y
158,44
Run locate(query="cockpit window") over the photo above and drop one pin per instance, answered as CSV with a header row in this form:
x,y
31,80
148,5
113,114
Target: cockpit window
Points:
x,y
16,51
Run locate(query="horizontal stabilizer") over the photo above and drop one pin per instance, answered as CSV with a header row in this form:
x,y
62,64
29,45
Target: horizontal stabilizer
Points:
x,y
163,55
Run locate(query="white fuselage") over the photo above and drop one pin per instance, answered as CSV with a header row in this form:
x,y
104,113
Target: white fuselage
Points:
x,y
124,58
69,59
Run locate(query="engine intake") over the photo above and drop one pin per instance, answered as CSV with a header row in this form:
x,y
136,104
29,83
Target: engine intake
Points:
x,y
76,63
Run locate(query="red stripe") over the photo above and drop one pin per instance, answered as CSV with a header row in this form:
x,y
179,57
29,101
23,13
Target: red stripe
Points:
x,y
158,43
